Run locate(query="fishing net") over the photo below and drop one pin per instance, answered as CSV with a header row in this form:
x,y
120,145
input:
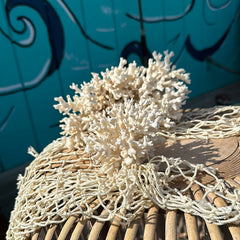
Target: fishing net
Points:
x,y
111,155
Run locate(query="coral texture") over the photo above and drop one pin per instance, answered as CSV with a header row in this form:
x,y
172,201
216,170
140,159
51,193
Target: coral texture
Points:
x,y
116,117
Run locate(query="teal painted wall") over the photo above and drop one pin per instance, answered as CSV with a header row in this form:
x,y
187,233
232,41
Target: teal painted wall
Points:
x,y
47,45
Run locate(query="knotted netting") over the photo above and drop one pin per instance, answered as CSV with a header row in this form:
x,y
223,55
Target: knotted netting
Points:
x,y
106,156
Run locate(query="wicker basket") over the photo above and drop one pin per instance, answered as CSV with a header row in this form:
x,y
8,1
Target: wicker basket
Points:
x,y
153,224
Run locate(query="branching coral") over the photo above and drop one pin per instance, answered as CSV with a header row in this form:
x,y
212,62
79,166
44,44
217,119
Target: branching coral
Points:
x,y
115,117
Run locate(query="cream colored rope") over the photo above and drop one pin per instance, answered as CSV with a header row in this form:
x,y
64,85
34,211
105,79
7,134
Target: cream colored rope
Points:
x,y
215,122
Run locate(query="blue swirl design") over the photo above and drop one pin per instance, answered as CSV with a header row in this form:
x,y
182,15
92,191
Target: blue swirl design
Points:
x,y
164,18
70,12
202,55
53,24
199,55
208,5
137,48
55,34
214,8
206,53
140,48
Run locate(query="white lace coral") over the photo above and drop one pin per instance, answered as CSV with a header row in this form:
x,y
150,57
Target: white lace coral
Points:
x,y
115,118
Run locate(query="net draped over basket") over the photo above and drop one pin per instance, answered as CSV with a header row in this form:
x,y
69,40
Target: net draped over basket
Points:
x,y
106,156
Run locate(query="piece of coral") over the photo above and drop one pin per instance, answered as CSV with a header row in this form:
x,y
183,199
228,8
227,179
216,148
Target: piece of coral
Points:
x,y
115,116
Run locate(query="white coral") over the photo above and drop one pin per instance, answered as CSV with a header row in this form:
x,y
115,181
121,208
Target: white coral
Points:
x,y
116,115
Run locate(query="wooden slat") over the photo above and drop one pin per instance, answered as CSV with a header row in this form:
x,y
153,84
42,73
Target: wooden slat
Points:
x,y
96,229
35,236
113,230
66,228
171,225
50,232
219,202
213,229
131,230
151,223
78,230
192,228
191,224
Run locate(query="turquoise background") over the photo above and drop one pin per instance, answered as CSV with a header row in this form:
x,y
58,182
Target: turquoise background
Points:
x,y
47,45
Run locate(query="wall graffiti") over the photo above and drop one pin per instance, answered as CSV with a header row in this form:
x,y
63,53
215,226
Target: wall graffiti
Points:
x,y
55,34
200,55
46,45
158,19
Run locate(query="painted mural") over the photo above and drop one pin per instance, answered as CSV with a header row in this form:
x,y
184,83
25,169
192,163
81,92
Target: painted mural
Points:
x,y
47,45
